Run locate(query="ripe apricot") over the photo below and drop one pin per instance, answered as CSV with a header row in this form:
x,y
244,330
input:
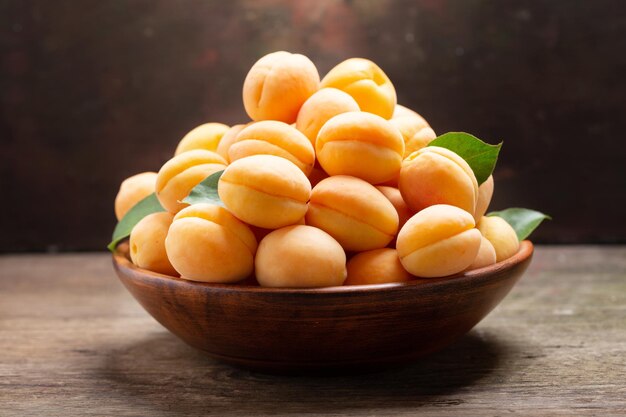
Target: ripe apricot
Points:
x,y
270,137
300,256
147,243
265,191
415,131
403,111
207,243
206,136
277,85
132,191
361,145
486,255
485,192
228,139
378,266
394,196
438,241
435,175
353,212
501,235
366,82
320,108
179,175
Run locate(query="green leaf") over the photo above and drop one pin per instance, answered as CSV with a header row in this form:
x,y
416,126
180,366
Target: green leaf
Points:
x,y
148,205
480,156
206,191
524,221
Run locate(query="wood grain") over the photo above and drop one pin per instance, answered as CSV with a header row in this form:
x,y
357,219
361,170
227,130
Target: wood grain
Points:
x,y
304,329
73,342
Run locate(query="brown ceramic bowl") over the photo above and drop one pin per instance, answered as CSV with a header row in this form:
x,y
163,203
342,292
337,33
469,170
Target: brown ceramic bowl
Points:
x,y
298,329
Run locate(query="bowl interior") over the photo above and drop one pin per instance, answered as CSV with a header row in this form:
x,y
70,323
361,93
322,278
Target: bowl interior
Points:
x,y
121,259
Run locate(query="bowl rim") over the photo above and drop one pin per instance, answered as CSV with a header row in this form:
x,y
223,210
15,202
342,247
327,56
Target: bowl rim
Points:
x,y
526,249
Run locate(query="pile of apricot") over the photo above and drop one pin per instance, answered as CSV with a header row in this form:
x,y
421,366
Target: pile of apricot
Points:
x,y
331,183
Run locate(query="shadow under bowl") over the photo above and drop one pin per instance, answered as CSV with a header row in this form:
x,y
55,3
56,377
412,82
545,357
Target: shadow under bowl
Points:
x,y
284,330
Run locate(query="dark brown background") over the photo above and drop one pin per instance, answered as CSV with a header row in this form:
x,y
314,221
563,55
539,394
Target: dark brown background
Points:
x,y
94,91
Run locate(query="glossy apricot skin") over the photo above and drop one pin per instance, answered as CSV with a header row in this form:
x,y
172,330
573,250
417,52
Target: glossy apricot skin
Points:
x,y
207,243
394,196
378,266
353,212
366,82
361,145
415,131
228,139
501,235
435,175
486,255
277,85
403,111
438,241
178,176
265,191
485,192
300,257
206,136
321,107
270,137
147,243
132,191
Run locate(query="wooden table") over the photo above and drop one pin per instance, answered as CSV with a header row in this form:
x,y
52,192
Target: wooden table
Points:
x,y
74,343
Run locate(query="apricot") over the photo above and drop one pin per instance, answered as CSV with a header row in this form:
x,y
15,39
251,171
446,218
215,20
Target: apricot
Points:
x,y
403,111
378,266
486,255
179,175
206,136
366,83
132,191
362,145
277,85
391,183
320,108
353,212
265,191
435,175
207,243
438,241
501,235
485,192
415,131
394,196
147,243
300,256
228,139
270,137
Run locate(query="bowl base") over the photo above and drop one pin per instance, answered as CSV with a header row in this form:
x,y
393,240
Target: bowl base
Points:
x,y
324,368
